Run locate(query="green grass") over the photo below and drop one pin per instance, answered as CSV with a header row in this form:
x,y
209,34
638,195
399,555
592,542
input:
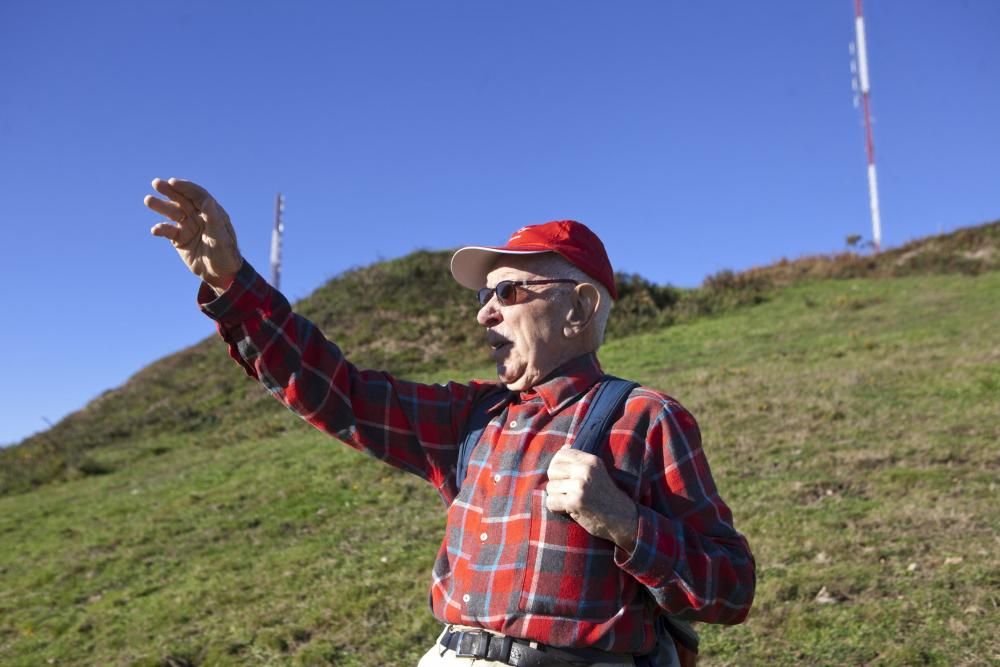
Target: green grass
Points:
x,y
851,425
262,551
854,428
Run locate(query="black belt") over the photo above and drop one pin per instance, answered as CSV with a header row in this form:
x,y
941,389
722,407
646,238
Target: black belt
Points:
x,y
517,652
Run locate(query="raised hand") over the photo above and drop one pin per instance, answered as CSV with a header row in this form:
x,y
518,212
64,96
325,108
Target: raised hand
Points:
x,y
202,235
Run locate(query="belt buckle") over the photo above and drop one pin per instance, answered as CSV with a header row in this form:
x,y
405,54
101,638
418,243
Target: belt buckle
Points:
x,y
472,644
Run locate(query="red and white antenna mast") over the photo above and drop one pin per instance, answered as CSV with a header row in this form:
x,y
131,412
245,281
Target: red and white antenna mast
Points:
x,y
860,68
279,229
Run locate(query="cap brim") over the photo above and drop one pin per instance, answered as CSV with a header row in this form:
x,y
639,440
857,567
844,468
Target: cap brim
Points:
x,y
470,265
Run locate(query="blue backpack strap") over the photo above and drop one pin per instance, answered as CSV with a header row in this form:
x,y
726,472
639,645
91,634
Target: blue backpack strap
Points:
x,y
610,397
604,408
478,420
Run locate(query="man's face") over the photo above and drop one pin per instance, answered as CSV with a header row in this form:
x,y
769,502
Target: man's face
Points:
x,y
526,337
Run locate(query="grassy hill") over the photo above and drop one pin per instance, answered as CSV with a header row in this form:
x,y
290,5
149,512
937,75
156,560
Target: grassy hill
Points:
x,y
850,407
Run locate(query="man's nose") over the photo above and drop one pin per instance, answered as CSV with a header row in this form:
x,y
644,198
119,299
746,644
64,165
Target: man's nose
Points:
x,y
489,315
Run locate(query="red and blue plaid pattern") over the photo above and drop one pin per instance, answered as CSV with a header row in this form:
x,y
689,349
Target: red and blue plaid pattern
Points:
x,y
507,564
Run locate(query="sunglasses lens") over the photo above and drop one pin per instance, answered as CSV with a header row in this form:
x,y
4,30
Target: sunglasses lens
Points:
x,y
505,292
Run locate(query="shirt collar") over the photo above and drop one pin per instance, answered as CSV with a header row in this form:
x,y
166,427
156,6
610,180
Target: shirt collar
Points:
x,y
567,383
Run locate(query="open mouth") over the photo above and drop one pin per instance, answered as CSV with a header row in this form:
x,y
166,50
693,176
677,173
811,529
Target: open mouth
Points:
x,y
497,342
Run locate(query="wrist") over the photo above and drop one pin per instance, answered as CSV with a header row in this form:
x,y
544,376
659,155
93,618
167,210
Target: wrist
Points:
x,y
219,286
633,531
627,528
221,283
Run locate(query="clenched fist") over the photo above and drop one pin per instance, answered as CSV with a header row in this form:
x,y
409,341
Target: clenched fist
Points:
x,y
579,485
202,235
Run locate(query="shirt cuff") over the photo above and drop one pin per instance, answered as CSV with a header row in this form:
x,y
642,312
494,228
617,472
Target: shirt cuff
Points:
x,y
655,552
243,298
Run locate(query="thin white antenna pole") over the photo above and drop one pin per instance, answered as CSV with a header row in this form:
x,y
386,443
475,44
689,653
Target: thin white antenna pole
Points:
x,y
865,90
279,228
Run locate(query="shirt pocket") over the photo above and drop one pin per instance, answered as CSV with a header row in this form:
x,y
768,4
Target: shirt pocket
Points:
x,y
568,572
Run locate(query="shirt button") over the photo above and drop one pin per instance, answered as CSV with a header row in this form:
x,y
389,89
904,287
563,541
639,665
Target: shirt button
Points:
x,y
483,537
466,597
513,424
496,478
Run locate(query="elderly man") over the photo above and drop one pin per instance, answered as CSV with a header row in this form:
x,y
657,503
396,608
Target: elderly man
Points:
x,y
551,556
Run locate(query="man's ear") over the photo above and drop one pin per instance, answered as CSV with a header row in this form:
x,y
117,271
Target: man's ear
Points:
x,y
586,300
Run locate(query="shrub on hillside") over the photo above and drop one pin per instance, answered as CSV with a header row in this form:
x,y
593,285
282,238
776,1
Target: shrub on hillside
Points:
x,y
641,306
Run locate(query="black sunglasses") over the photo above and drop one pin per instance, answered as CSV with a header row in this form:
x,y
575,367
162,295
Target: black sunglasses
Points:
x,y
506,290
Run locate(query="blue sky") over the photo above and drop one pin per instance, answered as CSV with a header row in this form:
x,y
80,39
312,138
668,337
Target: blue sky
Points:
x,y
691,136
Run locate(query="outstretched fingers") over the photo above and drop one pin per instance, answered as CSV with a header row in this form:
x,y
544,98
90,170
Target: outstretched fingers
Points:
x,y
217,224
175,196
168,209
198,228
177,208
191,191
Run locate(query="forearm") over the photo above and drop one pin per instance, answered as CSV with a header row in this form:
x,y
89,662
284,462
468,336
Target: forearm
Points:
x,y
688,553
407,425
710,577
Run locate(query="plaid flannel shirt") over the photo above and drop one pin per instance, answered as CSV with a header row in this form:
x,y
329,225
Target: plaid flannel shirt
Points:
x,y
507,563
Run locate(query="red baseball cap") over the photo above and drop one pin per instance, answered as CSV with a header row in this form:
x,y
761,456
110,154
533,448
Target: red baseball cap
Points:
x,y
571,239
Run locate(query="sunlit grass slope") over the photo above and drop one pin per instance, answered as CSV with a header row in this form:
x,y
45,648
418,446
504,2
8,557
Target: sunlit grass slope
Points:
x,y
853,426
